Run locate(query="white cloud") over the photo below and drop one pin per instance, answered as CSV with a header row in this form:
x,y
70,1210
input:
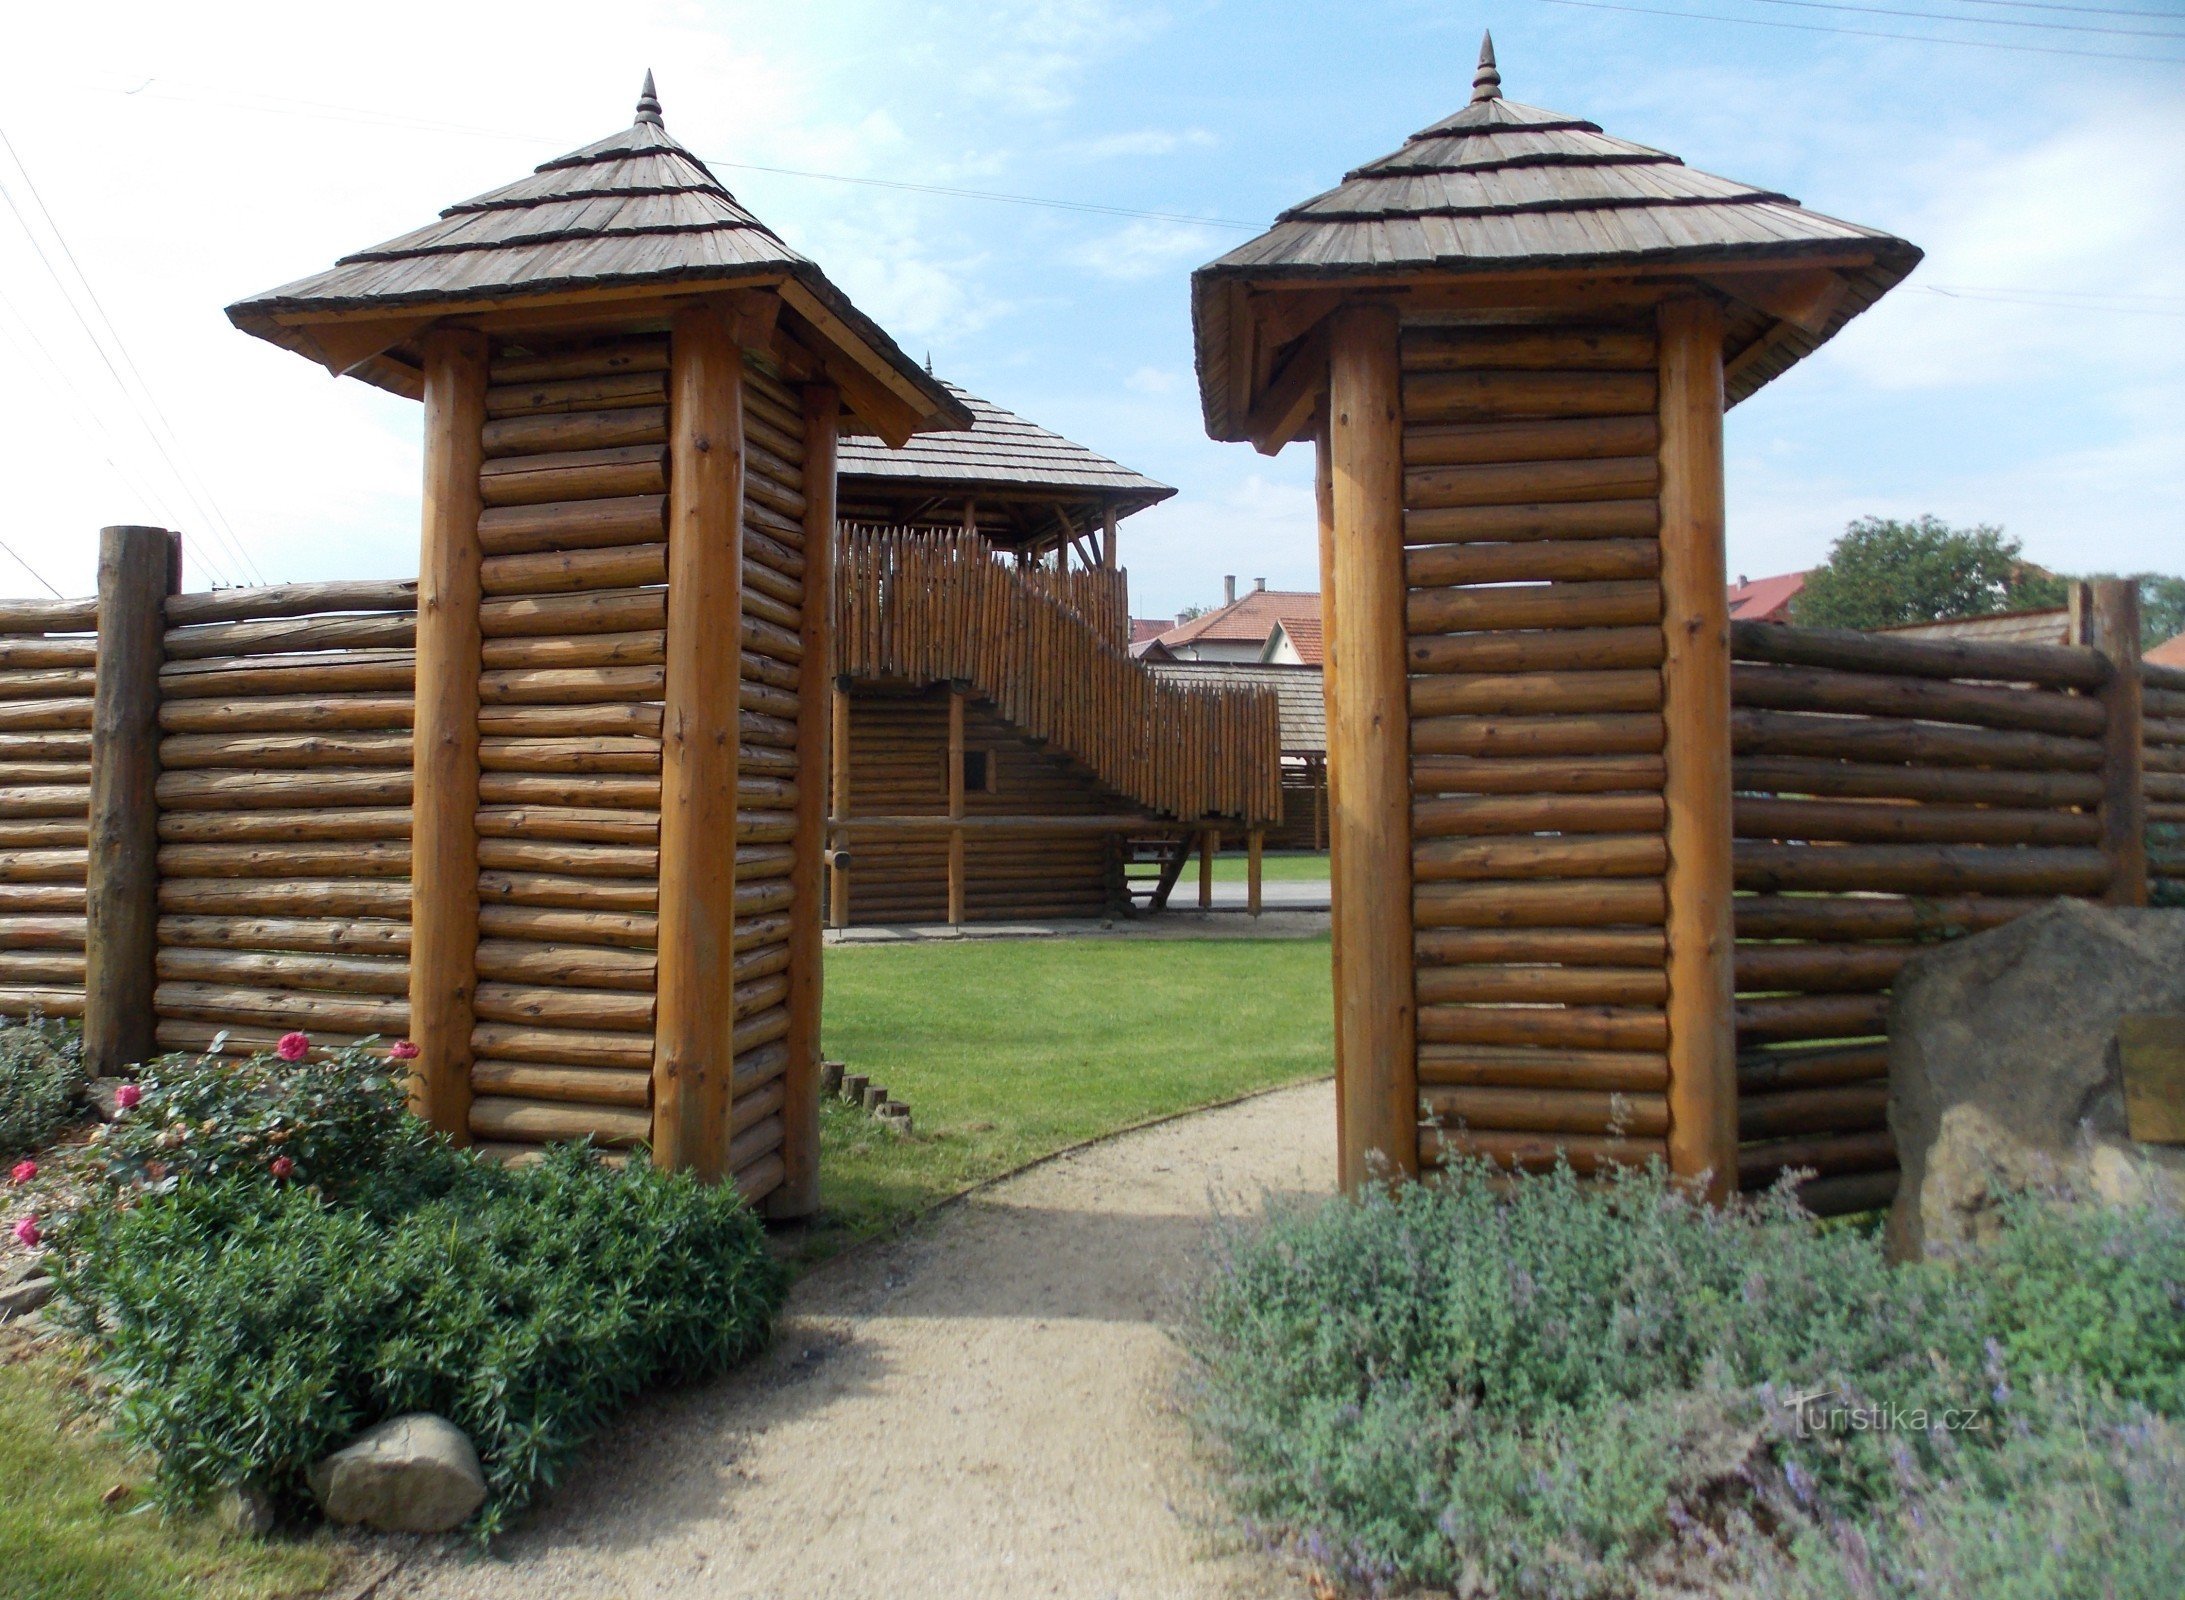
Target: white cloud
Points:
x,y
1142,142
1153,380
1147,248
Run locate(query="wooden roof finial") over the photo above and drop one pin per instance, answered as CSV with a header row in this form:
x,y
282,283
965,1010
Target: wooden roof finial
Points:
x,y
648,103
1487,81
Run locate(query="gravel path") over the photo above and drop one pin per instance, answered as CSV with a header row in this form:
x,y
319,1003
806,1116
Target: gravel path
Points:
x,y
980,1408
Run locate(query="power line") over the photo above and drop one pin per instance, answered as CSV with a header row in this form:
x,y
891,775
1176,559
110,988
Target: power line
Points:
x,y
2084,11
33,571
216,520
1871,33
1976,22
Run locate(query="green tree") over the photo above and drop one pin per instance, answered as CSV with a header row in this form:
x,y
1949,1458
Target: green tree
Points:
x,y
1882,572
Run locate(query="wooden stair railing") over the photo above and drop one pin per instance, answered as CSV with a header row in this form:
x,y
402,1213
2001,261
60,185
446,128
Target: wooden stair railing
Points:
x,y
942,607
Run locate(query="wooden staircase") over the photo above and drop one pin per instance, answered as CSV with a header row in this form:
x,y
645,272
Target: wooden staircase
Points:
x,y
1049,650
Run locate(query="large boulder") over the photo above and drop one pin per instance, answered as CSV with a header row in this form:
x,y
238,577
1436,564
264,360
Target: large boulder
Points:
x,y
2004,1073
411,1474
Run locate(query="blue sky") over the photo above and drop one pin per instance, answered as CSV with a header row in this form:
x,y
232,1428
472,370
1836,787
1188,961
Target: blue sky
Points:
x,y
2031,374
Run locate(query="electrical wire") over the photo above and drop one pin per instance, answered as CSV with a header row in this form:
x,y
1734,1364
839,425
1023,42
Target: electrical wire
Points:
x,y
1871,33
2085,11
1976,22
193,487
33,571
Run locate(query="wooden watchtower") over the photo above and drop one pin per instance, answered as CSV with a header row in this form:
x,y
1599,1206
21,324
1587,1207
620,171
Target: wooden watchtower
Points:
x,y
632,393
1513,340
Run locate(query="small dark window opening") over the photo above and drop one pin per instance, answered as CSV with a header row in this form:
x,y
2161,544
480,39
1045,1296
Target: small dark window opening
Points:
x,y
978,772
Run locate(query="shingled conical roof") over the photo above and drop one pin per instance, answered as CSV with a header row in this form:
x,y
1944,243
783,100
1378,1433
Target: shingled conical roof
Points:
x,y
1501,187
633,209
1000,450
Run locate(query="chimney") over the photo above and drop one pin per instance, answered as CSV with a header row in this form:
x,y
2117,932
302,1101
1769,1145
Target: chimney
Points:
x,y
1229,590
1259,585
1182,617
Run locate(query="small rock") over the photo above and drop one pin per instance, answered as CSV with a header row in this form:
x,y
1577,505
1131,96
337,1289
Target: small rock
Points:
x,y
115,1496
411,1474
896,1115
21,1299
244,1509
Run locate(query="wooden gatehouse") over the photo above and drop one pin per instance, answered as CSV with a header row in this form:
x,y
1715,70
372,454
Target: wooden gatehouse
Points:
x,y
1614,881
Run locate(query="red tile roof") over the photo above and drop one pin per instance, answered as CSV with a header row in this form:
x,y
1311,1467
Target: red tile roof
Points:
x,y
1304,634
1765,599
1249,618
2170,653
1143,630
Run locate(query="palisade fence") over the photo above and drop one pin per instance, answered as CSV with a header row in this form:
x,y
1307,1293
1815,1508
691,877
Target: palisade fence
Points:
x,y
1888,793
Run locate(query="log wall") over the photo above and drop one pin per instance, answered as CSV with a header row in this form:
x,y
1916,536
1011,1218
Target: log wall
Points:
x,y
2162,700
899,752
284,815
48,658
1533,559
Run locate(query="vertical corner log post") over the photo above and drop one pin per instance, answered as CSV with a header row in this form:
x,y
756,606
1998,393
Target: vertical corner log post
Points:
x,y
1696,750
1209,848
137,570
956,805
694,1017
798,1193
838,761
1255,844
1107,537
1376,1022
444,826
2113,623
1330,671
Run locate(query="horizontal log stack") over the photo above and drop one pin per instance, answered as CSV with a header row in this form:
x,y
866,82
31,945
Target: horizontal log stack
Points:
x,y
923,607
48,658
899,753
1890,793
1534,617
2162,702
284,815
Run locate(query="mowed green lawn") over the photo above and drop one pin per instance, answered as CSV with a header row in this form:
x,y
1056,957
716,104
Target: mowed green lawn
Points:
x,y
1007,1050
1291,866
61,1540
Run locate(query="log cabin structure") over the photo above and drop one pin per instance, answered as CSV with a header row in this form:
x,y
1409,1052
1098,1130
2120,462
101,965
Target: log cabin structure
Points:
x,y
998,753
1512,341
632,393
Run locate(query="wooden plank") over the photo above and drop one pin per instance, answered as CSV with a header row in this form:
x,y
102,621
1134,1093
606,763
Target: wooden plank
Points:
x,y
1371,867
444,829
2114,614
694,1059
136,571
1696,710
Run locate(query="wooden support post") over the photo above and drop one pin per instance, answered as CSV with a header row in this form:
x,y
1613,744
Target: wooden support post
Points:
x,y
138,568
444,812
1324,509
1107,538
695,1015
955,806
1209,848
798,1193
1369,752
1696,750
838,759
1255,840
2113,623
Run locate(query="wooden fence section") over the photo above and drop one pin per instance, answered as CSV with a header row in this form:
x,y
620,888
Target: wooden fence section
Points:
x,y
1099,595
284,815
48,656
931,607
2162,699
1534,614
1889,793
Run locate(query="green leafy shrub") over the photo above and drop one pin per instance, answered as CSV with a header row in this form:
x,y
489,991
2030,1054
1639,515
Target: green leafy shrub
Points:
x,y
340,1123
254,1326
1533,1388
41,1078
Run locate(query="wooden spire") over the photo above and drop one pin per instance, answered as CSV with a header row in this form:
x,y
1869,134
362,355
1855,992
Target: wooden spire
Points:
x,y
1486,82
648,102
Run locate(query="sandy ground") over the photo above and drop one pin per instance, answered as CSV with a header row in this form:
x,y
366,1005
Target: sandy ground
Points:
x,y
982,1407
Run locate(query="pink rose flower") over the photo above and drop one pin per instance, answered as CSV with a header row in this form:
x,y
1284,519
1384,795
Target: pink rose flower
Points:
x,y
27,1234
403,1050
293,1046
281,1166
23,1172
128,1096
